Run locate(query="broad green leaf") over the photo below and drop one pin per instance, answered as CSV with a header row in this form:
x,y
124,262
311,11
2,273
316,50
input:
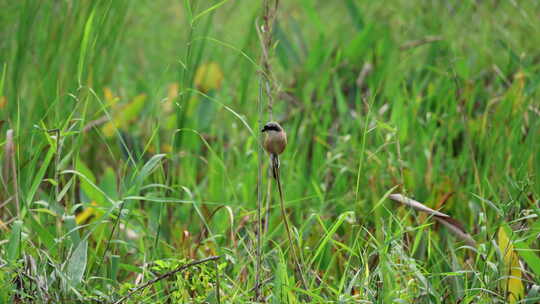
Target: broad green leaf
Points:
x,y
14,241
207,111
84,45
77,263
39,176
87,184
83,177
44,235
71,226
115,261
108,183
150,166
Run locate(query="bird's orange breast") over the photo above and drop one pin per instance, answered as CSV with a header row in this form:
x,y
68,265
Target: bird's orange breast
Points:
x,y
275,143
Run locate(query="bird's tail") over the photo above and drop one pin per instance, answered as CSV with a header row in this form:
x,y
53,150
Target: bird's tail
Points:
x,y
275,165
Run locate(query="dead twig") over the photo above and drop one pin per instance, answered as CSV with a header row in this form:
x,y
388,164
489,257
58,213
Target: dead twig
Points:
x,y
452,224
400,198
95,123
535,110
415,43
366,70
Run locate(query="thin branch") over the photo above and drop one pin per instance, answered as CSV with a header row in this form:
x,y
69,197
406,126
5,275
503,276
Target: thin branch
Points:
x,y
166,275
452,224
266,281
296,256
117,220
265,36
94,123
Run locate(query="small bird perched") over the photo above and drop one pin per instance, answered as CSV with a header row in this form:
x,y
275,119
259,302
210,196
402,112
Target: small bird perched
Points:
x,y
274,143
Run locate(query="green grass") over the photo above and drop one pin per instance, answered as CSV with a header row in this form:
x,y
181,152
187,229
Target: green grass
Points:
x,y
168,172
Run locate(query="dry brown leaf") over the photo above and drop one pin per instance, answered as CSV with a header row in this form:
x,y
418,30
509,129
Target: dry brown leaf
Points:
x,y
452,224
400,198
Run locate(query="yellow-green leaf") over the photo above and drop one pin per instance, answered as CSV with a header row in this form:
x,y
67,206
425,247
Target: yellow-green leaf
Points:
x,y
172,93
208,77
88,213
125,115
511,270
110,99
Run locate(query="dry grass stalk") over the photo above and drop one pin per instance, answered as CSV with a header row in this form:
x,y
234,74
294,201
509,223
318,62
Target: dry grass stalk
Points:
x,y
415,43
364,73
296,256
265,37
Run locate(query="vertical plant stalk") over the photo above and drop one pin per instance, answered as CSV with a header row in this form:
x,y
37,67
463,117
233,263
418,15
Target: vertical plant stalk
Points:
x,y
218,284
296,256
56,163
267,207
116,222
185,82
265,36
362,152
264,81
10,157
400,163
260,154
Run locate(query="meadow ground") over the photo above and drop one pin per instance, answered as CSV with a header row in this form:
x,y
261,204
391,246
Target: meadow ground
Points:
x,y
129,143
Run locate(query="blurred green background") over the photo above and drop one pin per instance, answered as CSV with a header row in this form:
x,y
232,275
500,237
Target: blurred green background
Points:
x,y
149,110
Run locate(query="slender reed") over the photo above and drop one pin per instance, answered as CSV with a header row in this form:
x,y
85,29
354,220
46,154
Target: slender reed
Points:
x,y
264,81
260,154
296,256
10,156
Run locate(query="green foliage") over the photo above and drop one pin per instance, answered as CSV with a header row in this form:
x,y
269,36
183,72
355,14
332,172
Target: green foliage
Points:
x,y
135,135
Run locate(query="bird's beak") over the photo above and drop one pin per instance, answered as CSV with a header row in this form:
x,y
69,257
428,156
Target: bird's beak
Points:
x,y
263,129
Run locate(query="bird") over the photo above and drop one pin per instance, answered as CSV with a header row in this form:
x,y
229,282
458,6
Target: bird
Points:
x,y
274,143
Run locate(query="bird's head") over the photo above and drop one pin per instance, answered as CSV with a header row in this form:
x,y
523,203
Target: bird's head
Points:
x,y
272,126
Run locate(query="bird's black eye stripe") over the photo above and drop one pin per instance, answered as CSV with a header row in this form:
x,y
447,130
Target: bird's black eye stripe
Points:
x,y
271,128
